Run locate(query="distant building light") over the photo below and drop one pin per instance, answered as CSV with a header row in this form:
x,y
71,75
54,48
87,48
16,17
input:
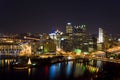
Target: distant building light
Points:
x,y
68,23
61,33
62,39
25,37
41,47
110,39
90,42
86,53
85,43
77,51
119,39
9,41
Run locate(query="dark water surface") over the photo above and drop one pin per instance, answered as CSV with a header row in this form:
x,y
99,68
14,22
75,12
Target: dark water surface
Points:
x,y
72,70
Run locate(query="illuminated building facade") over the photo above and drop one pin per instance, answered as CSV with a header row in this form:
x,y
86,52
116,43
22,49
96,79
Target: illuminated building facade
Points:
x,y
100,36
80,38
69,28
79,29
100,39
75,37
14,46
56,36
49,46
9,46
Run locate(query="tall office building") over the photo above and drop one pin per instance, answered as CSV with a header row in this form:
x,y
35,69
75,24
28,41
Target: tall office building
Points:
x,y
69,28
56,36
79,29
100,40
100,36
83,28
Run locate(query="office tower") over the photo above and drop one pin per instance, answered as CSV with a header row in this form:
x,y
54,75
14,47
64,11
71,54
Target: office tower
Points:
x,y
83,27
100,36
69,28
100,40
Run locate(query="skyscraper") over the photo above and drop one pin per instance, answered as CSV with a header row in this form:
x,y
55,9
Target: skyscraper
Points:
x,y
79,29
100,36
69,28
100,40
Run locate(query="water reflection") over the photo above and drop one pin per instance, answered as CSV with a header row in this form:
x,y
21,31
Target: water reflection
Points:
x,y
62,71
29,72
69,68
54,71
99,64
79,69
5,62
46,70
92,69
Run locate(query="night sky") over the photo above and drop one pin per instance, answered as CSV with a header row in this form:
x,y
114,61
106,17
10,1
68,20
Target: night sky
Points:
x,y
21,16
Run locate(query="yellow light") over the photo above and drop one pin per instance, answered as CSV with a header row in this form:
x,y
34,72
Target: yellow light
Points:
x,y
29,61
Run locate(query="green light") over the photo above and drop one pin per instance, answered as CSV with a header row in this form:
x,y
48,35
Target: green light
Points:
x,y
77,51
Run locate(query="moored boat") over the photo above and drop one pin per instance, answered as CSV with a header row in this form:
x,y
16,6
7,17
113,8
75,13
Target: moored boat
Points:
x,y
21,64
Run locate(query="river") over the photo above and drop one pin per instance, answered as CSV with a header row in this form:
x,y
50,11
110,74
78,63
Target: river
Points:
x,y
71,70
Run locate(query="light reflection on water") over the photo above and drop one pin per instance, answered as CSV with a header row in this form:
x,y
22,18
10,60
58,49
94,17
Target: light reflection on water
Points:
x,y
6,62
52,72
69,67
29,72
58,71
79,69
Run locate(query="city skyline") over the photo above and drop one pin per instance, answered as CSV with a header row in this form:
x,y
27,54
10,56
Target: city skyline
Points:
x,y
44,16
